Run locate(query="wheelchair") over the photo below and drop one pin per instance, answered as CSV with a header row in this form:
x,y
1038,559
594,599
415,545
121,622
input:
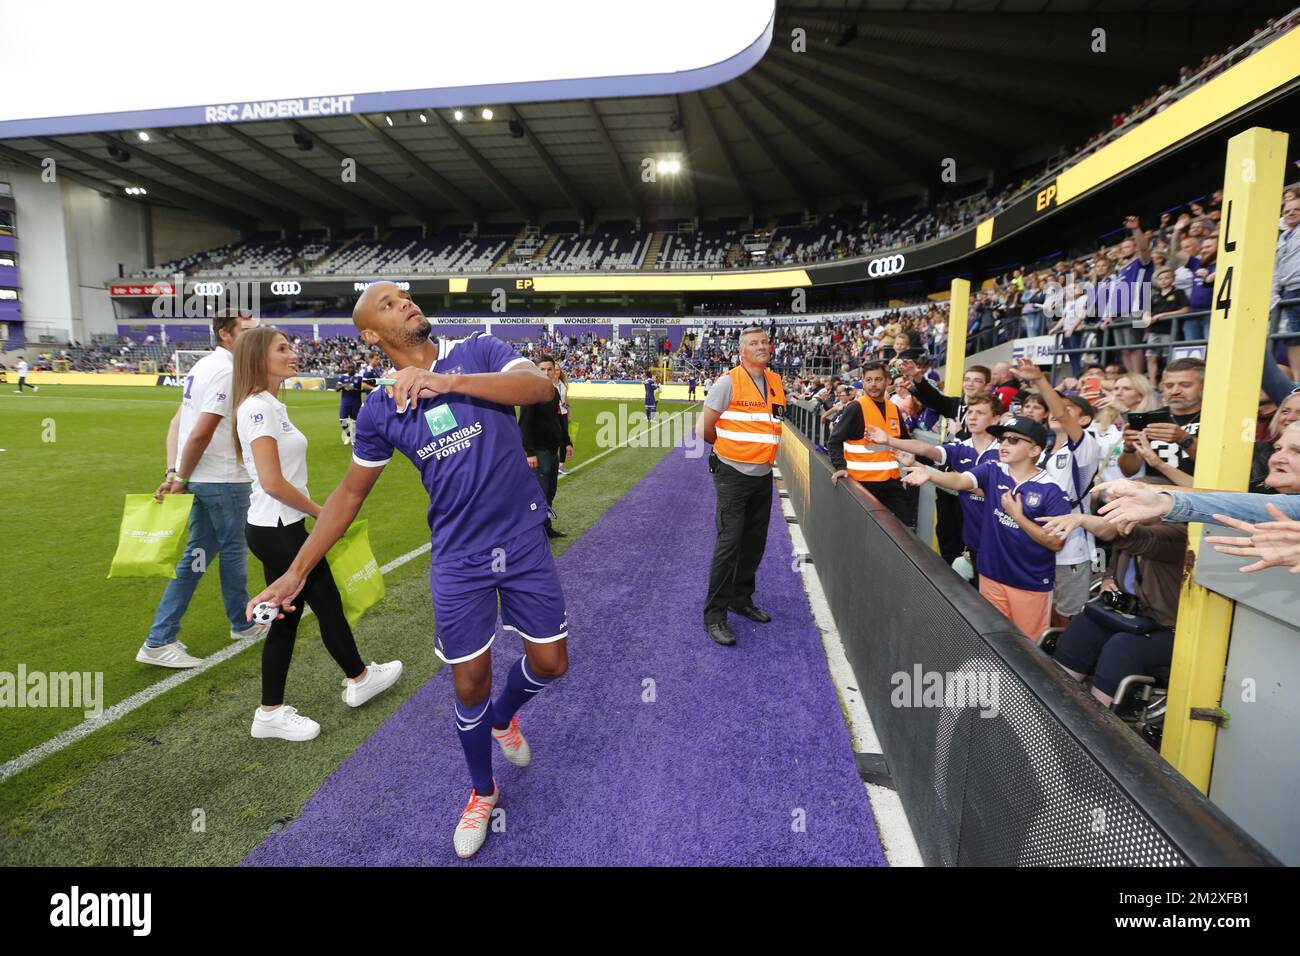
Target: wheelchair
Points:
x,y
1140,699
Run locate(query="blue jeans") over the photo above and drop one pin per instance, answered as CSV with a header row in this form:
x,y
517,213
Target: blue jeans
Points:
x,y
1034,323
216,528
1289,315
1194,330
1074,341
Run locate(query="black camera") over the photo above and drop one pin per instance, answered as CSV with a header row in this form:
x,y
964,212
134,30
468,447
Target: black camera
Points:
x,y
1120,602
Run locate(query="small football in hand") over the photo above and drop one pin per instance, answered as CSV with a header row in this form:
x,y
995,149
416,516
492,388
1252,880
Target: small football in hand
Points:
x,y
265,613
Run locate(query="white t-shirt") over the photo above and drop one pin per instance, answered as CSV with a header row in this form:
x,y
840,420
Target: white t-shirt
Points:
x,y
1112,445
263,415
1073,479
207,389
22,368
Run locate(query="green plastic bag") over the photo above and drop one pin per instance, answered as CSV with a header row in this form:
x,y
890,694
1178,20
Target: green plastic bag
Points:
x,y
153,536
356,572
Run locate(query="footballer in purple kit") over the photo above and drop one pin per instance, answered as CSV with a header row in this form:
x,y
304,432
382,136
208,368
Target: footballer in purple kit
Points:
x,y
451,412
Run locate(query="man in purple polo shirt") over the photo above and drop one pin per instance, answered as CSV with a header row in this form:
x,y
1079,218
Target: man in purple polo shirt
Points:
x,y
451,413
1203,268
1123,296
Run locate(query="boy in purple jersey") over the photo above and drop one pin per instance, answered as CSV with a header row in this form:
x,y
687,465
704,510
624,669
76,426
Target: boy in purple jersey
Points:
x,y
451,413
1017,557
982,412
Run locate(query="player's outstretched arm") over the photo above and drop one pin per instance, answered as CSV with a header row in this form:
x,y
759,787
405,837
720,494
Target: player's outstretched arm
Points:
x,y
337,514
523,385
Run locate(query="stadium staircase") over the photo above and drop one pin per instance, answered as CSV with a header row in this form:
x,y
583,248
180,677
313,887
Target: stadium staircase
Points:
x,y
652,251
545,250
325,260
508,253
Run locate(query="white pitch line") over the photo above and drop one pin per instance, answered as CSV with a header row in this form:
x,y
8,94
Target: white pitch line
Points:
x,y
659,423
896,837
140,698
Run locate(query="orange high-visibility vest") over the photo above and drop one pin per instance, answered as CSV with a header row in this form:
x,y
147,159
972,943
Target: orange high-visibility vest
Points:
x,y
749,430
866,462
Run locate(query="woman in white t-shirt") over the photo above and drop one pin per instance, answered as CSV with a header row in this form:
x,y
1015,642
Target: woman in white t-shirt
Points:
x,y
562,386
275,454
1133,393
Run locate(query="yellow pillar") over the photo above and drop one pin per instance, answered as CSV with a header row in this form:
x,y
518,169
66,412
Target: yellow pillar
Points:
x,y
958,312
1252,190
955,369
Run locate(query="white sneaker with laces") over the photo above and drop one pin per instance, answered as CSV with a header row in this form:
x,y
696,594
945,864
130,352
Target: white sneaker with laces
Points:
x,y
513,745
379,679
475,820
169,655
256,631
284,722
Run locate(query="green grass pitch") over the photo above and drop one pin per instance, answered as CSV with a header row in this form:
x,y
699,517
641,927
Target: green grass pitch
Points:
x,y
70,455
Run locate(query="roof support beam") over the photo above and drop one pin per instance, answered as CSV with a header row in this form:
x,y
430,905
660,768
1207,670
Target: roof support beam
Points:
x,y
444,186
305,207
26,159
402,200
689,175
727,156
508,189
907,163
579,205
817,146
906,107
884,103
336,191
218,211
252,207
977,109
778,162
633,198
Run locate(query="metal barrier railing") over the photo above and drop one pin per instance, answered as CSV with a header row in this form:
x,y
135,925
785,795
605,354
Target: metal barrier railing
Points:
x,y
1009,327
1042,775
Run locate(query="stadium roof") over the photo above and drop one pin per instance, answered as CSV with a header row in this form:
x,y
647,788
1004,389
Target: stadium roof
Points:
x,y
884,92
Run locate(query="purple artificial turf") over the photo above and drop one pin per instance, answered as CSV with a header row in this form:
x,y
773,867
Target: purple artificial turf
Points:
x,y
712,772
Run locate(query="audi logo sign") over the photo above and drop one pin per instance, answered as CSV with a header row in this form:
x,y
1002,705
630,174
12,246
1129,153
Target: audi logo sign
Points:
x,y
286,288
208,288
885,266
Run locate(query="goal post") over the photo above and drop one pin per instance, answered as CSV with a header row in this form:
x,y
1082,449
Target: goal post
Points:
x,y
186,359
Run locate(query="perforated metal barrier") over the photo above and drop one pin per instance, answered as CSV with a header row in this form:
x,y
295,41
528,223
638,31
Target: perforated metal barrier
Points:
x,y
998,757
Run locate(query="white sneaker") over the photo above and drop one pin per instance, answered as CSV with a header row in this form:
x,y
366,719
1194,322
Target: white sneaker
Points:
x,y
475,820
284,722
254,632
513,744
379,679
169,655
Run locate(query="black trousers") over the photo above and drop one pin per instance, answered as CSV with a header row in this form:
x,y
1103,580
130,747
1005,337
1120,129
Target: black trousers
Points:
x,y
947,510
897,497
276,548
742,514
548,473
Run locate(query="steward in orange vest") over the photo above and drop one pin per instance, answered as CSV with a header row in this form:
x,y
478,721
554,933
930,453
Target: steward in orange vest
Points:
x,y
742,417
749,430
875,466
